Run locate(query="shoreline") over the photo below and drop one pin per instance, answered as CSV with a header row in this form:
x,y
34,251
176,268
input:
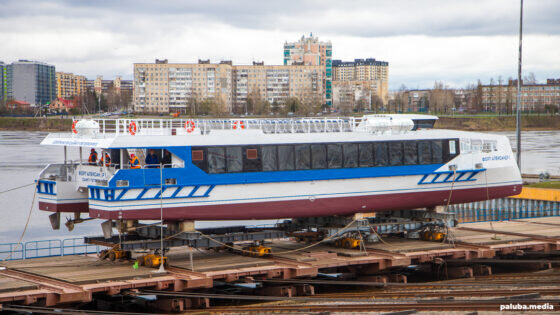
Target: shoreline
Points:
x,y
473,123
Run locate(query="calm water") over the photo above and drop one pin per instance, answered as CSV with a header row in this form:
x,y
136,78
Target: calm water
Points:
x,y
23,158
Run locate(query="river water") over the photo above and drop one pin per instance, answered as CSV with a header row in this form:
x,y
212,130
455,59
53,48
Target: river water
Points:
x,y
23,159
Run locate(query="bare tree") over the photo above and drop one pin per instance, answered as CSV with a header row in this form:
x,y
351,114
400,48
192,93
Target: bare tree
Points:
x,y
529,79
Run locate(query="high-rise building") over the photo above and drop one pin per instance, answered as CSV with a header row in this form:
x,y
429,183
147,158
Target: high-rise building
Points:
x,y
362,75
31,81
69,85
166,87
311,52
3,82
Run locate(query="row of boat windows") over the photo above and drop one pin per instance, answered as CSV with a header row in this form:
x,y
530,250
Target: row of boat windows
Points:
x,y
288,157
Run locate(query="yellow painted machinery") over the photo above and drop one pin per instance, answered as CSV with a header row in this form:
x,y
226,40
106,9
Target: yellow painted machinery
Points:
x,y
257,250
151,260
348,242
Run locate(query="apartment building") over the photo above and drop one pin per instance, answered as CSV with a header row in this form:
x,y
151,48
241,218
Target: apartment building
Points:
x,y
172,87
69,85
312,52
3,81
361,75
534,97
33,82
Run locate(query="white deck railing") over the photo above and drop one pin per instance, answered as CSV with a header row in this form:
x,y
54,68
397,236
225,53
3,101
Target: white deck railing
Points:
x,y
204,126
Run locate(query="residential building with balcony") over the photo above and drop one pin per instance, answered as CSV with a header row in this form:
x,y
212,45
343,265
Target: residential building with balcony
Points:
x,y
32,82
177,87
69,85
368,75
310,51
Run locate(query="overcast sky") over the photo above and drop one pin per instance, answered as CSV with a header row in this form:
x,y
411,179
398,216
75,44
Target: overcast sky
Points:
x,y
454,41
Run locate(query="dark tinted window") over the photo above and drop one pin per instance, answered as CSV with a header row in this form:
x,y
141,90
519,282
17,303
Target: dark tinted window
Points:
x,y
285,157
303,156
269,158
366,154
318,156
234,159
334,155
425,152
410,152
437,152
198,156
395,153
350,154
252,161
381,154
216,160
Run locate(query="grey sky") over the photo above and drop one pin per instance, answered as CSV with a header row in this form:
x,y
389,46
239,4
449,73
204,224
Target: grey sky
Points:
x,y
424,40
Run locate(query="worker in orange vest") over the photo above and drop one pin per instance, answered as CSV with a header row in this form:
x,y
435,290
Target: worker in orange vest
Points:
x,y
106,158
134,162
92,160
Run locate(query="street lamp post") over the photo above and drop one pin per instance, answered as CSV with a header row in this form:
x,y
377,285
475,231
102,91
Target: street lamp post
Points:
x,y
518,123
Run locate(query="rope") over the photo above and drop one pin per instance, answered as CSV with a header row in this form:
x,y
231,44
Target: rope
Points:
x,y
449,235
15,188
26,225
284,252
379,236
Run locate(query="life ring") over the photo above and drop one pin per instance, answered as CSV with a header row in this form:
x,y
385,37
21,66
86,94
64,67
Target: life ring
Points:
x,y
74,126
239,123
132,128
189,126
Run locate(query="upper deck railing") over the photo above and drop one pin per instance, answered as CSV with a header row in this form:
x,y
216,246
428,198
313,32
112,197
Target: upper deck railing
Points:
x,y
378,124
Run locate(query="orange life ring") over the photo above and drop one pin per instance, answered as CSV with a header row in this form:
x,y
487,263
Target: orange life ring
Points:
x,y
132,128
74,126
239,123
189,126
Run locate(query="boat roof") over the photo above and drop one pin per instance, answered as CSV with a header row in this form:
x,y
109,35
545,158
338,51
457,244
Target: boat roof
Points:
x,y
116,133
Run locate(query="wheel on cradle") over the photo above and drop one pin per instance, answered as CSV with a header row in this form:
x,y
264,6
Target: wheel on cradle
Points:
x,y
140,261
347,244
128,255
149,262
103,254
112,256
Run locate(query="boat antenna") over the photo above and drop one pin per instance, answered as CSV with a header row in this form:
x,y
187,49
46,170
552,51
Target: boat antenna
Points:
x,y
518,120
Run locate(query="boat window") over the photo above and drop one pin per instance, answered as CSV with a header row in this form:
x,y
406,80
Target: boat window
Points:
x,y
350,151
366,154
437,152
489,146
466,145
318,156
476,145
410,152
303,156
334,154
198,156
234,159
381,154
216,160
269,158
285,157
251,159
425,152
395,153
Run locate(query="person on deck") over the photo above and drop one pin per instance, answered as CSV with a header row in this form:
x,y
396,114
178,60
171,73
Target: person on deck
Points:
x,y
152,160
166,160
134,162
92,160
106,159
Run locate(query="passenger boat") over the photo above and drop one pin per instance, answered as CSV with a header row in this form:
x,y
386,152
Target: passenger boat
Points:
x,y
229,169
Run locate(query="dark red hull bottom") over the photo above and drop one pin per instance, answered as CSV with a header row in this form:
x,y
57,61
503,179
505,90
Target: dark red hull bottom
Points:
x,y
315,208
64,207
